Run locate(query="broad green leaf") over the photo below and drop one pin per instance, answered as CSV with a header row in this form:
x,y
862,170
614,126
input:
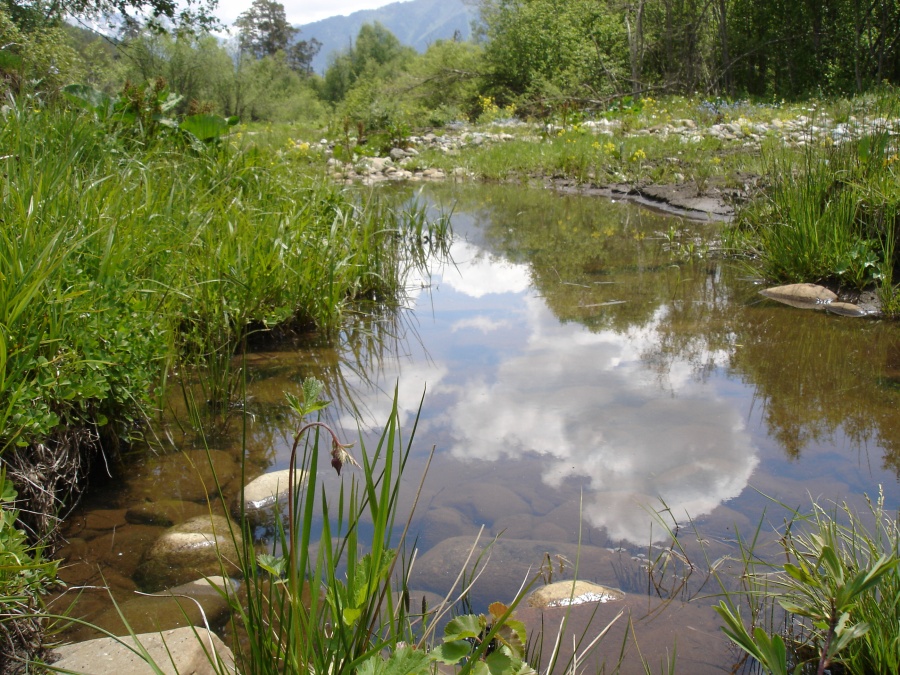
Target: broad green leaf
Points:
x,y
773,651
7,491
90,98
498,663
205,127
467,626
271,564
351,615
799,574
452,652
404,661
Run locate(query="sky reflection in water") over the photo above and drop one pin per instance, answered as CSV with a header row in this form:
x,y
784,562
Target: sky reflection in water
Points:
x,y
515,383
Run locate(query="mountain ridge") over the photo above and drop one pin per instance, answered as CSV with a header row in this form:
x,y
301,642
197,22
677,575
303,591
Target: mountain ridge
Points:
x,y
416,23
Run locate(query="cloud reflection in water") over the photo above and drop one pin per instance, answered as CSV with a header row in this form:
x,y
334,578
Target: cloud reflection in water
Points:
x,y
598,414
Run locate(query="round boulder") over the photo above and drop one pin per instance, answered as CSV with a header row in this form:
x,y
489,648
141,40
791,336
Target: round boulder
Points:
x,y
192,476
204,546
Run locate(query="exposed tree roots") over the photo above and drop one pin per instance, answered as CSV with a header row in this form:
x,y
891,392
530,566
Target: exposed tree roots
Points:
x,y
49,477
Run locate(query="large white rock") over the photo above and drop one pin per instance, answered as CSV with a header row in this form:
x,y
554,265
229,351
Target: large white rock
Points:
x,y
185,651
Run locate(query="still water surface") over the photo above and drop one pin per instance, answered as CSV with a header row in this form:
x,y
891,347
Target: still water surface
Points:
x,y
586,365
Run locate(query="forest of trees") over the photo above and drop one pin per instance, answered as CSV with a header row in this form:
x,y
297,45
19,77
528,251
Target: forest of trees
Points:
x,y
538,55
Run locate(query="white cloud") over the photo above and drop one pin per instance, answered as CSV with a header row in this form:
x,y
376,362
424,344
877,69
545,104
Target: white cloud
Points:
x,y
476,273
589,405
483,324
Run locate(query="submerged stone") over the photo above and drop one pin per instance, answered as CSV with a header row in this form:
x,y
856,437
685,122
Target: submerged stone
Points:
x,y
565,593
507,564
166,512
802,296
264,494
202,546
196,603
192,476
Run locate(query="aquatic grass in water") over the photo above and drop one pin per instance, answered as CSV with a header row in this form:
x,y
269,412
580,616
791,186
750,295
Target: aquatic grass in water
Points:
x,y
838,588
119,262
829,216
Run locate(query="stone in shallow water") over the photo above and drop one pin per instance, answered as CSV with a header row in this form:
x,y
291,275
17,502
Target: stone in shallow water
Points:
x,y
166,512
191,604
442,523
183,650
122,549
263,494
508,564
803,296
565,593
660,628
482,503
202,546
189,476
846,309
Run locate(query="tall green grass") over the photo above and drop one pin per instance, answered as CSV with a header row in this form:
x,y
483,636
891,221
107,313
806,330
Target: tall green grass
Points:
x,y
127,257
120,261
830,214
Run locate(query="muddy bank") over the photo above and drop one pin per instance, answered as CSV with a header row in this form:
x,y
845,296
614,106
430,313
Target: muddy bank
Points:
x,y
712,205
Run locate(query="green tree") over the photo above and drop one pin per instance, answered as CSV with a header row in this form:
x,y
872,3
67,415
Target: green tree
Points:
x,y
554,49
265,31
377,53
40,60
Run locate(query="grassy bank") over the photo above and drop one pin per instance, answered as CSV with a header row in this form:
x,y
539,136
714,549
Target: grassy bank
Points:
x,y
814,186
130,252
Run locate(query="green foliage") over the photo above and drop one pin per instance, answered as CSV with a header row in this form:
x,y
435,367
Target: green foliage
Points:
x,y
494,643
374,58
34,60
264,29
837,586
118,260
24,577
333,609
551,49
834,216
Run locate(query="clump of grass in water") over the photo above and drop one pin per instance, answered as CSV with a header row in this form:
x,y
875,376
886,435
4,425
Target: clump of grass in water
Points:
x,y
832,217
301,616
840,590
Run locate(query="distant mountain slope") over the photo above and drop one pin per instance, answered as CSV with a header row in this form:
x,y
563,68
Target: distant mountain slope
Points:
x,y
416,23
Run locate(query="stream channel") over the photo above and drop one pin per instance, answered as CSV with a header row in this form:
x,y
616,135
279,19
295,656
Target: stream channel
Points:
x,y
585,365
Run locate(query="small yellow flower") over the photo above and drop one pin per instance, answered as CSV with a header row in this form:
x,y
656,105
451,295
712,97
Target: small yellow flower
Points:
x,y
638,155
609,147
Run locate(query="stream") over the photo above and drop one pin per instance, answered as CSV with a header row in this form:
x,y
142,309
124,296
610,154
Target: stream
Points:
x,y
595,380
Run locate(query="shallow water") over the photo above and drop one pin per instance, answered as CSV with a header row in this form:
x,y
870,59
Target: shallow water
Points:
x,y
591,372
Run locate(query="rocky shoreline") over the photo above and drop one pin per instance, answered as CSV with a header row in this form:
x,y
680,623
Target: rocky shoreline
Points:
x,y
714,202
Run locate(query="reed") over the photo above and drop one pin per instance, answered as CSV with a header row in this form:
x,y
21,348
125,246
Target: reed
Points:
x,y
829,214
